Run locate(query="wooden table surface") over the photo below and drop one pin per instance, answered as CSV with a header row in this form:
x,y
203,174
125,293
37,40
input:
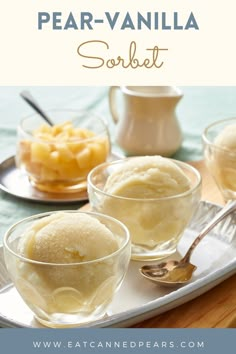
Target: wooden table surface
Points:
x,y
214,309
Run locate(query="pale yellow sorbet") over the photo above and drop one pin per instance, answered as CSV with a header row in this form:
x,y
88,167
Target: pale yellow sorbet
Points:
x,y
68,238
144,183
222,162
147,177
227,138
64,240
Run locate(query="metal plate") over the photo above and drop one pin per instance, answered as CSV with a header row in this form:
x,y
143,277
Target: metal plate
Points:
x,y
139,299
13,181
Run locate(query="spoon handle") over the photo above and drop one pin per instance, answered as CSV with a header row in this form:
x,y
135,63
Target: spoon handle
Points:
x,y
31,101
226,210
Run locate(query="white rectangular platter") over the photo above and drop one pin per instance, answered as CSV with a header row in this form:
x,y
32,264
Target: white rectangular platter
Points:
x,y
139,299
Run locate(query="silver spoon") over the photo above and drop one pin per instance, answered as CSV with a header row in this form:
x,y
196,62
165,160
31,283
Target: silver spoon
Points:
x,y
174,272
32,102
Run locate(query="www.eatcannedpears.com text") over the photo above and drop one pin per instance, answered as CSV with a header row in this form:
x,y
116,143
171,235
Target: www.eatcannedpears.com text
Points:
x,y
131,344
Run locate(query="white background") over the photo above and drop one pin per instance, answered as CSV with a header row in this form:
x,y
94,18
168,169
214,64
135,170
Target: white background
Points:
x,y
32,57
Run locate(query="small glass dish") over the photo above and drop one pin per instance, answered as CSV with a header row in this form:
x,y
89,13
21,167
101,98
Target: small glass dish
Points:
x,y
58,159
66,294
219,145
155,224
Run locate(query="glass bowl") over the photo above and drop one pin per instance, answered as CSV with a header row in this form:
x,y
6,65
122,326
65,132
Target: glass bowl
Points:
x,y
220,155
58,159
155,224
66,294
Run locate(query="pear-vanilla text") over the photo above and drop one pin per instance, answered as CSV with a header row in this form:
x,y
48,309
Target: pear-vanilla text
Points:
x,y
156,21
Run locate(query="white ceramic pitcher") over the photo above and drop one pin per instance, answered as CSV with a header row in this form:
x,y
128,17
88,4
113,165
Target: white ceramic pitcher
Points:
x,y
146,119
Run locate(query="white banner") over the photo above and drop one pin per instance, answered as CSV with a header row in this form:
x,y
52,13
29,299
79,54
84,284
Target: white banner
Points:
x,y
151,42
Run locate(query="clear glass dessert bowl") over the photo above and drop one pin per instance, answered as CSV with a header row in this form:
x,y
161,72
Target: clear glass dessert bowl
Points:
x,y
156,224
70,292
58,158
219,144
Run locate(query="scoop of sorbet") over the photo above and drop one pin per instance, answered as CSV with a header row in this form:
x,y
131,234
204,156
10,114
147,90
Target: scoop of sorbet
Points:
x,y
68,238
147,177
227,138
142,182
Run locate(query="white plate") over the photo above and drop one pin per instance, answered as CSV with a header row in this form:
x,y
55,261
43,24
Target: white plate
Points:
x,y
139,299
13,181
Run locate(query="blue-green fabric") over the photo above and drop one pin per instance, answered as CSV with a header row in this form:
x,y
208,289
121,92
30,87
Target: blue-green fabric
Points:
x,y
199,107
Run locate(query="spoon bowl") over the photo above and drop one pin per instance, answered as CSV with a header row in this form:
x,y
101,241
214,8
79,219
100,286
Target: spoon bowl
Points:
x,y
169,273
173,272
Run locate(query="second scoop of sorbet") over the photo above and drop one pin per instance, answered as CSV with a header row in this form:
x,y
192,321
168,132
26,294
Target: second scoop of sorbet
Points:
x,y
221,161
227,138
148,177
68,238
147,194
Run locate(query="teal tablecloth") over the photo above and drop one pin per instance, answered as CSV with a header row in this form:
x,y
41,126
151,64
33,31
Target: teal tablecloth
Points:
x,y
199,107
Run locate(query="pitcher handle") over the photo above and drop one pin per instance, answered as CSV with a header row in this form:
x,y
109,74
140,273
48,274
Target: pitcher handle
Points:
x,y
112,103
